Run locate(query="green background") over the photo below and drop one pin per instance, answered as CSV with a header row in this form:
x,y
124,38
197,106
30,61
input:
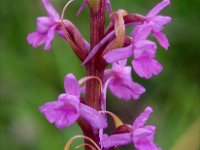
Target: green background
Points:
x,y
31,76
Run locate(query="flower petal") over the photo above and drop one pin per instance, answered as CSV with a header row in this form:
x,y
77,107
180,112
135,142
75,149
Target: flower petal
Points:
x,y
93,117
160,6
120,91
63,112
69,112
146,132
146,67
136,90
43,24
118,54
142,118
51,10
36,38
162,20
121,83
71,85
143,138
162,39
49,110
49,37
157,23
116,140
141,32
145,48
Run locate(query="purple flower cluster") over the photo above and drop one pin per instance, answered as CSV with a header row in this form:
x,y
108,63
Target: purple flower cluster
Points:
x,y
143,50
116,47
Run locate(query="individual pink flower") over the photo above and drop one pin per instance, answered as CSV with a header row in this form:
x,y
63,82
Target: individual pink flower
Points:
x,y
121,83
141,135
144,52
154,24
144,63
68,108
46,27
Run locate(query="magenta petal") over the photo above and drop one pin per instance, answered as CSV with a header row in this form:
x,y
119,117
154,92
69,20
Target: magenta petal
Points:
x,y
141,32
63,112
145,48
162,39
43,24
142,118
50,37
143,138
121,83
160,6
104,92
145,145
71,85
36,39
157,23
161,20
146,132
116,140
146,67
121,91
69,112
51,10
93,117
136,90
49,110
118,54
126,90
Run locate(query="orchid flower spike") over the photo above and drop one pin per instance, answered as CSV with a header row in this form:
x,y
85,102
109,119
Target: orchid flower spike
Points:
x,y
140,135
68,108
121,84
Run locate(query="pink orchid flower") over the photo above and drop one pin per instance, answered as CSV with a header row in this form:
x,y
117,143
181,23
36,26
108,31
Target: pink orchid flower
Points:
x,y
154,24
141,135
144,63
144,52
68,108
121,84
46,27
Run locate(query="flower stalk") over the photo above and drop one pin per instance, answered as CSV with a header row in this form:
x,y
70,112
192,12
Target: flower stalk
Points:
x,y
95,66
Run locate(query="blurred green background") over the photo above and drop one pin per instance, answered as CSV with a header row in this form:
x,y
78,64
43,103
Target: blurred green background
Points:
x,y
31,77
